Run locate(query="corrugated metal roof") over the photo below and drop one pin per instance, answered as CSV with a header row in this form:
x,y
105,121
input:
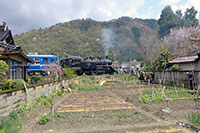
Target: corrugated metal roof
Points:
x,y
184,59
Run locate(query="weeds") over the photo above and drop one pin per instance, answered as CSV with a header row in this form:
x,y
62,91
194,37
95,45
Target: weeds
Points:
x,y
72,86
87,116
123,116
59,93
194,119
89,80
161,95
89,88
11,124
44,119
108,76
151,96
136,113
59,115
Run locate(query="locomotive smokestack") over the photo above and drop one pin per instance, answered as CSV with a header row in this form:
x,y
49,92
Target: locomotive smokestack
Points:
x,y
106,56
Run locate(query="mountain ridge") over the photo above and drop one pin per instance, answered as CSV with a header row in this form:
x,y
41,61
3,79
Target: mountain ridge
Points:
x,y
124,38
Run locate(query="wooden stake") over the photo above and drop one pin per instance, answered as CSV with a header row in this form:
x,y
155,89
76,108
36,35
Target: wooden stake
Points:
x,y
52,112
85,105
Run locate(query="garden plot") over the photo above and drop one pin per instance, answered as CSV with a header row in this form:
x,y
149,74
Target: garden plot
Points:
x,y
91,101
116,108
176,109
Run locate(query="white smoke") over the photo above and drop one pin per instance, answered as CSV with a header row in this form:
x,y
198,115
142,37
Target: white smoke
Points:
x,y
107,39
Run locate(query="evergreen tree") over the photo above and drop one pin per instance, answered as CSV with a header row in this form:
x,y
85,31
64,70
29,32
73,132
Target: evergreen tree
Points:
x,y
167,21
190,17
181,20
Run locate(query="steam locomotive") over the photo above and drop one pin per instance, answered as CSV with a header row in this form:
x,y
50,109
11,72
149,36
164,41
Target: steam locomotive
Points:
x,y
89,65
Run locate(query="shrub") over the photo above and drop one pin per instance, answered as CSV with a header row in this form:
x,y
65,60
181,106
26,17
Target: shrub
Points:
x,y
175,67
3,67
4,84
69,73
17,84
35,79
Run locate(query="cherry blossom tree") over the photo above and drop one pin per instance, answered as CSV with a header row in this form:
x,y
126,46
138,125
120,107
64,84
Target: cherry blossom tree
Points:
x,y
53,70
184,41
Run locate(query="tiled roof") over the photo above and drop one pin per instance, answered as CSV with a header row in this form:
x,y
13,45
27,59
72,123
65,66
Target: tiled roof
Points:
x,y
184,59
19,54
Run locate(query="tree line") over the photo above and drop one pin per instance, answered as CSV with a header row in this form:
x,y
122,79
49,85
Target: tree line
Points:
x,y
170,19
180,36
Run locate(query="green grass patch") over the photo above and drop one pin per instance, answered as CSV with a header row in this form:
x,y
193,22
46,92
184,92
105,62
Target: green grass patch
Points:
x,y
146,92
108,76
194,119
127,77
89,80
89,88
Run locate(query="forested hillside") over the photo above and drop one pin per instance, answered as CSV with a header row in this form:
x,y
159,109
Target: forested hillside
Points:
x,y
124,38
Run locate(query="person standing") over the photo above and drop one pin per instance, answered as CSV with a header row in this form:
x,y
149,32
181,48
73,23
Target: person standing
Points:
x,y
190,78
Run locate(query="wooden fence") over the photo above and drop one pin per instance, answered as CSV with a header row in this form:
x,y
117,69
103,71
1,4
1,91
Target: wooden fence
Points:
x,y
178,78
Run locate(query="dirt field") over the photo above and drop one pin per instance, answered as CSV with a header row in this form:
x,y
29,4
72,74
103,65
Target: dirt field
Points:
x,y
117,109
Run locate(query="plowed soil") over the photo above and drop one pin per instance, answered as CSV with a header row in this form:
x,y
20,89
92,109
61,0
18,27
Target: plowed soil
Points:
x,y
116,109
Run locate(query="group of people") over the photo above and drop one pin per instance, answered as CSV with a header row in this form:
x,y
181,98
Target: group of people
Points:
x,y
146,76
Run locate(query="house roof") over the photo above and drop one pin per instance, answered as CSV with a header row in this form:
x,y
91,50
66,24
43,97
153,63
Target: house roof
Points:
x,y
184,59
6,35
18,53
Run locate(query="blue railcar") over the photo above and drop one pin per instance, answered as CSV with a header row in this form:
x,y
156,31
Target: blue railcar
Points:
x,y
41,62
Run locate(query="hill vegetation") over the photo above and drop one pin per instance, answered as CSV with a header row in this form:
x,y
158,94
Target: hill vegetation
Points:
x,y
123,39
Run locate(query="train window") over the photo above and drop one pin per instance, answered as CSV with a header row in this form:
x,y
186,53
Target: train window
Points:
x,y
52,60
37,61
45,61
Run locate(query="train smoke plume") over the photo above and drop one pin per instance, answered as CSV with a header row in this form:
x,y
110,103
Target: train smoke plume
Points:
x,y
107,39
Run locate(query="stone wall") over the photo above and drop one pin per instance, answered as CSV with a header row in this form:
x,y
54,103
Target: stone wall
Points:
x,y
12,100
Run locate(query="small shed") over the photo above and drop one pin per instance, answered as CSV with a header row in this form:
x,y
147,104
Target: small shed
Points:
x,y
189,63
13,55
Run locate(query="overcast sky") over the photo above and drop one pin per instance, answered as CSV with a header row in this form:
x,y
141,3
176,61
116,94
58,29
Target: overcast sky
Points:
x,y
24,15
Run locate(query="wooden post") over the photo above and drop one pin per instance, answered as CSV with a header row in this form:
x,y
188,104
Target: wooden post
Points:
x,y
52,113
85,105
168,103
